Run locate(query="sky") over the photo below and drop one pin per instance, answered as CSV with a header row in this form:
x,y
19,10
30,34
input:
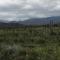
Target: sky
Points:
x,y
12,10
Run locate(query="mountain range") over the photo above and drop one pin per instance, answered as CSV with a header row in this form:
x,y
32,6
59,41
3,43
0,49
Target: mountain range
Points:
x,y
32,21
42,21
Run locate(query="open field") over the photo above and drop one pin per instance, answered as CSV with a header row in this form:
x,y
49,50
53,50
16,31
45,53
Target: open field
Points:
x,y
30,43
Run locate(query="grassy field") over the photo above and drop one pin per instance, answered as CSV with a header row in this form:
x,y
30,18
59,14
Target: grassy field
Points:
x,y
30,43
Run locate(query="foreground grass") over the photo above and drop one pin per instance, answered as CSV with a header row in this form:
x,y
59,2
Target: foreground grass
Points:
x,y
30,43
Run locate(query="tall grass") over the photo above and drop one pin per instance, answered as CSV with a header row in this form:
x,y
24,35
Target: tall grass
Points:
x,y
30,43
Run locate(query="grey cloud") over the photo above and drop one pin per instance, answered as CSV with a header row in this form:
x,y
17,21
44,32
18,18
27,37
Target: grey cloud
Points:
x,y
24,9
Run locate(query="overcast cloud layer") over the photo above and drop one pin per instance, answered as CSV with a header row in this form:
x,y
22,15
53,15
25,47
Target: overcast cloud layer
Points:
x,y
25,9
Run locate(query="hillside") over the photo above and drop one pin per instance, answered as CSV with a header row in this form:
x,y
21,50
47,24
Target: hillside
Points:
x,y
42,21
32,21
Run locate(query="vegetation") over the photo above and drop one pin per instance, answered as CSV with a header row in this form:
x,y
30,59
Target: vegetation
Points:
x,y
30,43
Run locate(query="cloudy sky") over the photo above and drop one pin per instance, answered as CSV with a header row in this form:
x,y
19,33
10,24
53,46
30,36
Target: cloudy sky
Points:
x,y
25,9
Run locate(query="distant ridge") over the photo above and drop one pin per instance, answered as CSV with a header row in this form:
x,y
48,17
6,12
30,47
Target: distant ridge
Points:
x,y
32,21
42,21
10,24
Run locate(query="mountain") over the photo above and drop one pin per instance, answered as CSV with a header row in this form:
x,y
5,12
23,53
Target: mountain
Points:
x,y
32,21
42,21
10,24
